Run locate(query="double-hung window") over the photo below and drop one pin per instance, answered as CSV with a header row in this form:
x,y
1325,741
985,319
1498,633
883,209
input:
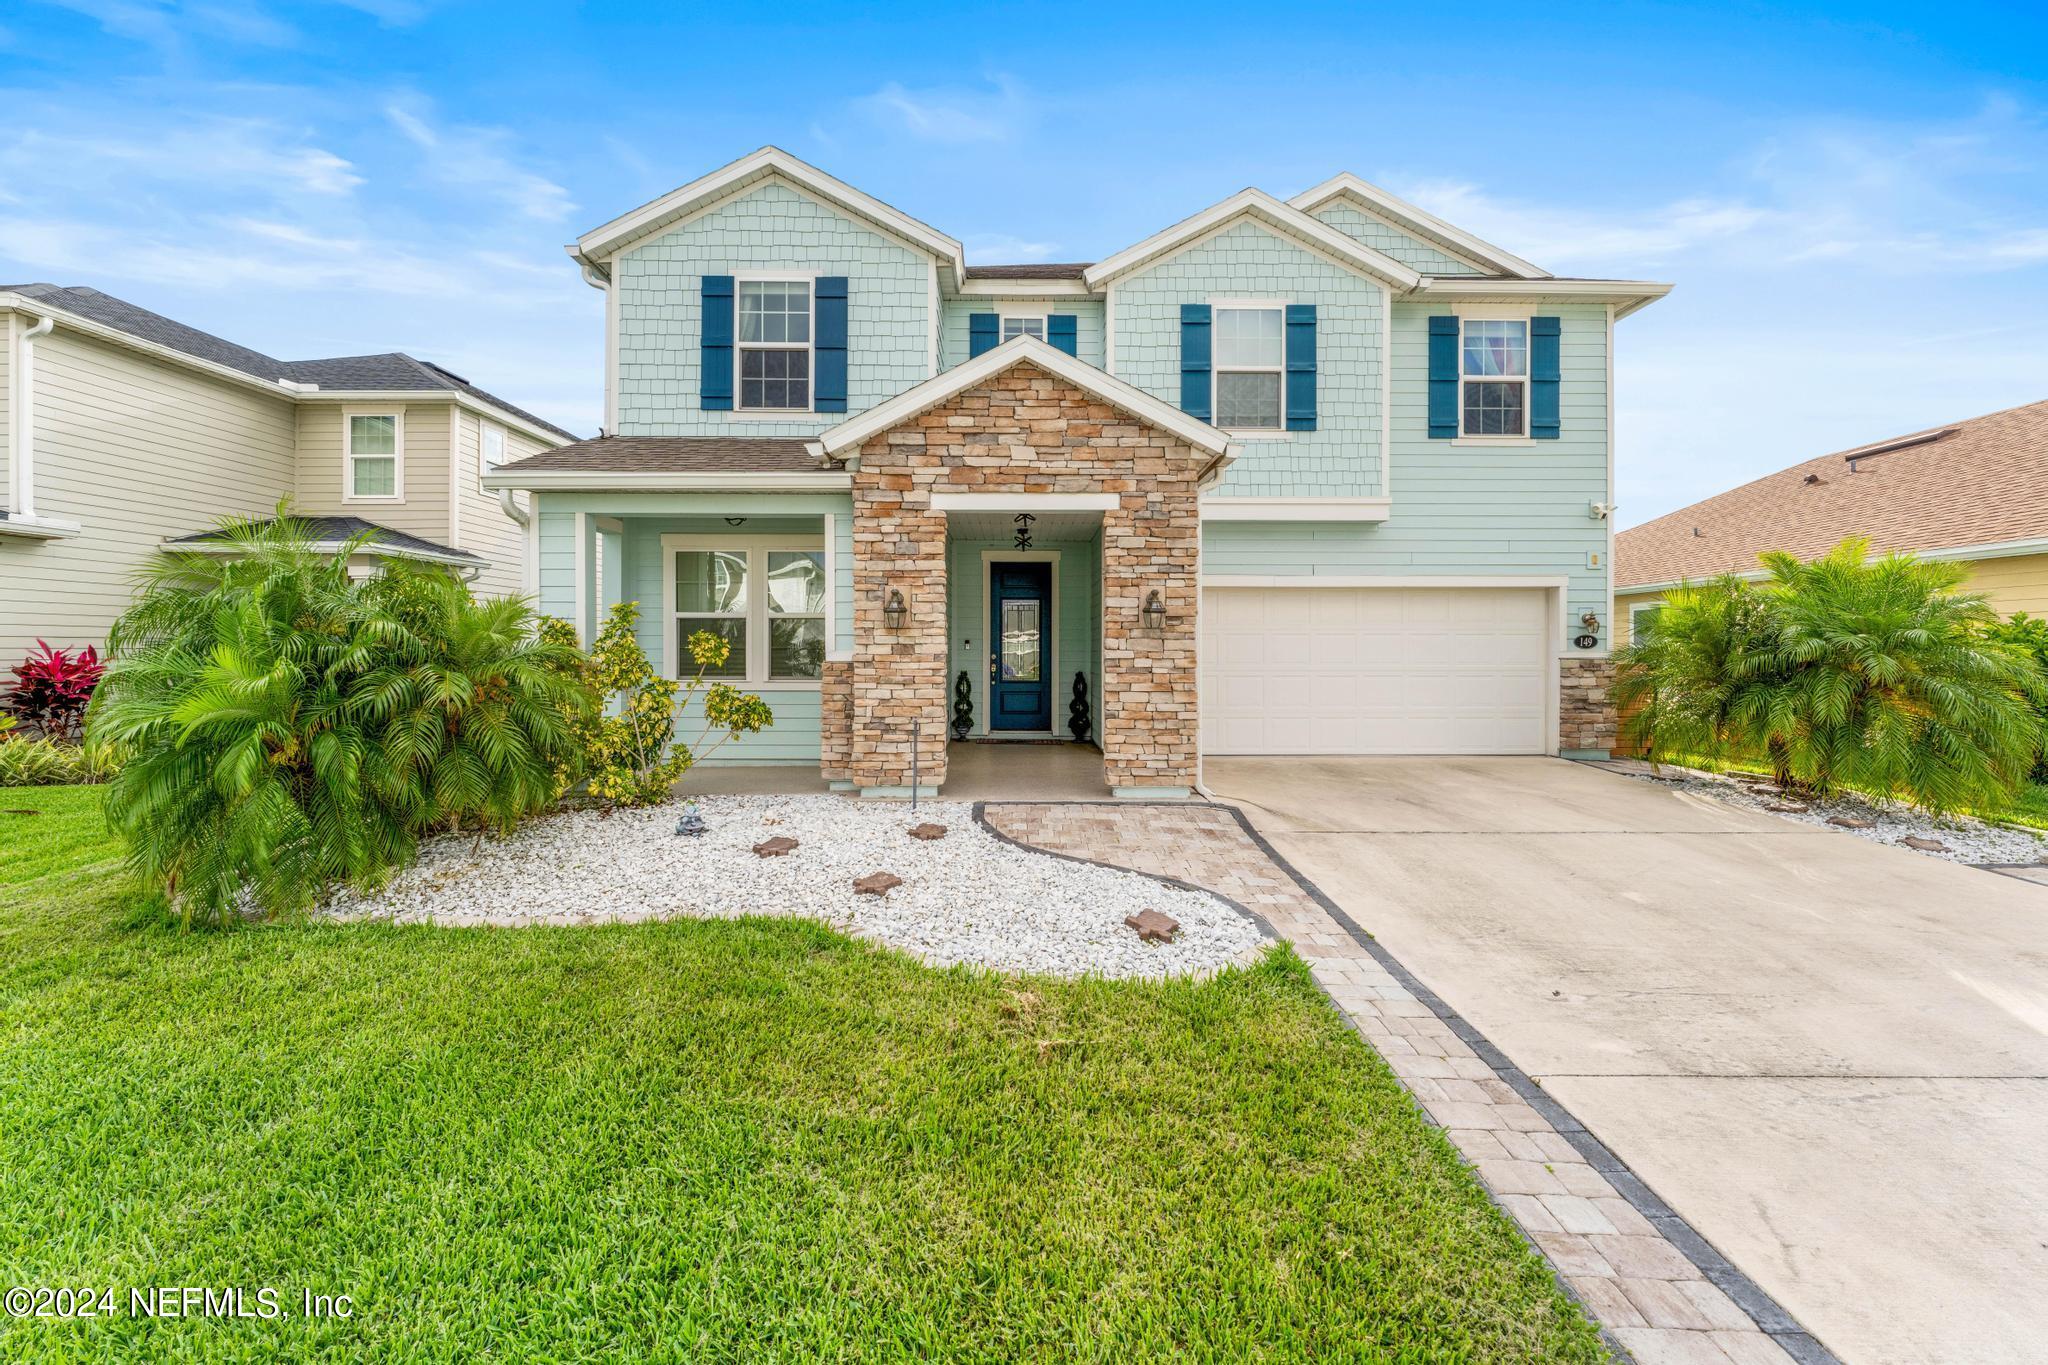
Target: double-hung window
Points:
x,y
766,599
775,345
1250,361
373,449
1493,377
490,446
1023,326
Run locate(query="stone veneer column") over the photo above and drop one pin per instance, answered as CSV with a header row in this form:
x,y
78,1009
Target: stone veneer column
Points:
x,y
835,721
1148,675
898,674
1586,721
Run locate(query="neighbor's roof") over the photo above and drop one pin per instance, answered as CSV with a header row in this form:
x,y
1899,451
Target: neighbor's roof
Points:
x,y
1070,270
672,455
329,533
1978,482
391,372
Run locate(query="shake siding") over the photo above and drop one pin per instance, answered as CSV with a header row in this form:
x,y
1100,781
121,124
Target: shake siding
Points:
x,y
424,512
134,450
1088,328
1412,252
1519,510
1245,261
773,228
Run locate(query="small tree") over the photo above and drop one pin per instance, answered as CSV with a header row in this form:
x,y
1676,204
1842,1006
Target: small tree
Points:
x,y
629,748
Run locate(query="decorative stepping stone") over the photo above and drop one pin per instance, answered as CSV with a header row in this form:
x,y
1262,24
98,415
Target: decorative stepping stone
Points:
x,y
1924,845
877,883
1153,927
928,831
1787,807
1852,822
780,845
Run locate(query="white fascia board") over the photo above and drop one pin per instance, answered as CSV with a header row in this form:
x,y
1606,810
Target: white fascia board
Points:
x,y
1275,214
1626,295
1014,287
849,435
459,399
695,481
1296,509
1026,502
594,248
1417,220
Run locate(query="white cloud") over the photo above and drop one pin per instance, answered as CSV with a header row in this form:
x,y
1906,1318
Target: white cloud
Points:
x,y
951,115
474,158
224,154
167,25
1000,249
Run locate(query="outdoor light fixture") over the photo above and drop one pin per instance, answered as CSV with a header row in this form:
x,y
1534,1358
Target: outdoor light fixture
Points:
x,y
1153,613
735,521
1591,639
895,612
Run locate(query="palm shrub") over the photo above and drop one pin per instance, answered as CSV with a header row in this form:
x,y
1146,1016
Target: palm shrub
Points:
x,y
290,728
1879,675
2029,634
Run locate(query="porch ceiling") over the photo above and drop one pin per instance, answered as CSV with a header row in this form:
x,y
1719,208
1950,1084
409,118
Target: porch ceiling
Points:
x,y
1066,525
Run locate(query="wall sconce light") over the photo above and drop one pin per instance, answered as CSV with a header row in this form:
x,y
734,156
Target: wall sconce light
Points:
x,y
735,521
1590,623
1153,613
895,611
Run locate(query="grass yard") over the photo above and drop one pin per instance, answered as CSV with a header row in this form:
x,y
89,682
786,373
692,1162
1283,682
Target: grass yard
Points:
x,y
706,1141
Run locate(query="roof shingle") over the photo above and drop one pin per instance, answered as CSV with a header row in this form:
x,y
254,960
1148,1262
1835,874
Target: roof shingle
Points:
x,y
673,455
1978,482
1067,270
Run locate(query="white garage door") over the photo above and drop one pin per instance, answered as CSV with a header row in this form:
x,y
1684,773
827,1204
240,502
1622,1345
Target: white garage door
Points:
x,y
1374,670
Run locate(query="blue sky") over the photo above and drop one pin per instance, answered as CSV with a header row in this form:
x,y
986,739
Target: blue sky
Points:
x,y
1852,198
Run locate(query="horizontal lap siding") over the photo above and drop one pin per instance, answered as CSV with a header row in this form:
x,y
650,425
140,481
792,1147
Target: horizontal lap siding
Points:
x,y
1077,617
486,530
8,327
2018,583
1340,458
1521,510
1087,314
772,228
424,511
134,451
1410,251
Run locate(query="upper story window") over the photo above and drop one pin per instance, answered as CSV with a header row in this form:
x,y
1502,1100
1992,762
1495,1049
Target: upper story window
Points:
x,y
1493,377
1250,359
1025,326
490,446
373,453
775,344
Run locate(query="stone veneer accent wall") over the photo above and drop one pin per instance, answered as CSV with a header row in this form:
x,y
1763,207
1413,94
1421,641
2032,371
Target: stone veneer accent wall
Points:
x,y
835,721
1585,713
1023,431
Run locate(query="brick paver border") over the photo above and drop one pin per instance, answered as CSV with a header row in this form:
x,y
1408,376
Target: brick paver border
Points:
x,y
1661,1292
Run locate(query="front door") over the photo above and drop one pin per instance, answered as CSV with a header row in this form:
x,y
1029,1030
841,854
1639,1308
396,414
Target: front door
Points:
x,y
1020,647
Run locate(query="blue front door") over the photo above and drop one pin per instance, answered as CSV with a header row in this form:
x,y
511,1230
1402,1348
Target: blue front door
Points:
x,y
1020,647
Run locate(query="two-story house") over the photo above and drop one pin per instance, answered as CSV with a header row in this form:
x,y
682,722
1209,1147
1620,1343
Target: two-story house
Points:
x,y
123,431
1317,476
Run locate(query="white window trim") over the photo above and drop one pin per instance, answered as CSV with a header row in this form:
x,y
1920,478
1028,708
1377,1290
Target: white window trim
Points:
x,y
1496,314
1217,368
397,457
757,549
1637,608
739,347
1004,319
484,428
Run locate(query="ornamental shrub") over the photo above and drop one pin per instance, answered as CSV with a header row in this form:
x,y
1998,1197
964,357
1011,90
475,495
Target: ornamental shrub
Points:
x,y
629,752
52,688
2029,634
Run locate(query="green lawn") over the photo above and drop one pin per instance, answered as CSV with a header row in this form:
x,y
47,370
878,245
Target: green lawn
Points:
x,y
706,1141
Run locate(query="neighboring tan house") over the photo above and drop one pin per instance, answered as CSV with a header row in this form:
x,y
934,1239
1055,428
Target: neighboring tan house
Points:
x,y
1974,490
121,430
1325,475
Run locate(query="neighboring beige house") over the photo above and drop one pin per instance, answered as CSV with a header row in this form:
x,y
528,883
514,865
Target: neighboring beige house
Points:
x,y
1975,490
122,430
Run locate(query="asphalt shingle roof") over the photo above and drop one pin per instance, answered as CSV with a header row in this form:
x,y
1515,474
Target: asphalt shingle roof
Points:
x,y
391,372
1975,482
1070,270
673,455
334,530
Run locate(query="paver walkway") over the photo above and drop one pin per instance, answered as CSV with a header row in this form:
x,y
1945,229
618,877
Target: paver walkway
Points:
x,y
1659,1291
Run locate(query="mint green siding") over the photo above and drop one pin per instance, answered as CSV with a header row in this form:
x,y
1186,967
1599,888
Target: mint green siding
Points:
x,y
954,314
1340,458
772,228
1521,510
1412,252
1076,623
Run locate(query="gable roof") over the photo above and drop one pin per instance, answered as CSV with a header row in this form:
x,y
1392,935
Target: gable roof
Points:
x,y
389,372
1263,208
1976,483
593,248
1418,221
849,435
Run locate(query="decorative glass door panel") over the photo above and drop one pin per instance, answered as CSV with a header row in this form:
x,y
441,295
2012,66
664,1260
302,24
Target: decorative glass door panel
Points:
x,y
1020,647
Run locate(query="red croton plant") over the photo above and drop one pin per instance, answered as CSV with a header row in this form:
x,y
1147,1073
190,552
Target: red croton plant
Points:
x,y
51,688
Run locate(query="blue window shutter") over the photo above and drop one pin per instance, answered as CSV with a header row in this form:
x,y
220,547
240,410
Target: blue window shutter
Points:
x,y
1545,371
1301,367
1443,378
1060,331
828,385
714,385
984,330
1194,360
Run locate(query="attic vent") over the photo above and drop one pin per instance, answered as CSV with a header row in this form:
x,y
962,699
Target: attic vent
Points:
x,y
1699,533
442,369
1918,438
1812,479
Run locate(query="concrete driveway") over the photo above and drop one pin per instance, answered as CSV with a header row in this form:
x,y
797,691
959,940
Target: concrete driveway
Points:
x,y
1830,1056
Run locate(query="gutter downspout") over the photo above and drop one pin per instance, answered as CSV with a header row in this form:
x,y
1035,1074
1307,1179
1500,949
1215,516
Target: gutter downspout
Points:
x,y
512,508
22,464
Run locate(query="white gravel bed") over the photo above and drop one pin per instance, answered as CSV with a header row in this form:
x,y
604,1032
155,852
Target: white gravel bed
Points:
x,y
968,897
1967,840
